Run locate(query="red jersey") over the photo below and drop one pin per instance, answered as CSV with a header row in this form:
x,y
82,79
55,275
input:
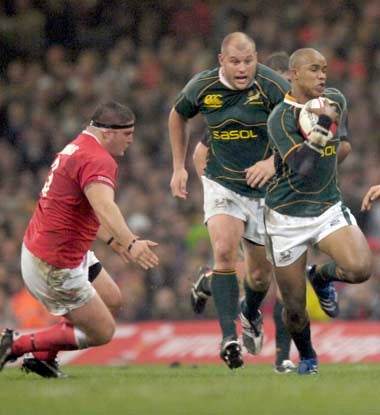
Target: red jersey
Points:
x,y
64,224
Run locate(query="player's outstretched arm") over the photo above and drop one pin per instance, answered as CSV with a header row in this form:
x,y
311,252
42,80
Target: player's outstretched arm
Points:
x,y
101,198
179,143
372,194
260,173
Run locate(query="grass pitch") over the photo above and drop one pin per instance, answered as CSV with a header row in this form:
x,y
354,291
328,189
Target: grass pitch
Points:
x,y
156,390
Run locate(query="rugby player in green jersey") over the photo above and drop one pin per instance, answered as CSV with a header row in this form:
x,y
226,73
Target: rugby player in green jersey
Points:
x,y
304,205
278,61
235,100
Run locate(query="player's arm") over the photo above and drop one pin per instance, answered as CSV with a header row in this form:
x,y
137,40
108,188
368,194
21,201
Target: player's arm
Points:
x,y
345,146
292,148
106,237
305,155
103,234
179,139
101,198
305,159
200,158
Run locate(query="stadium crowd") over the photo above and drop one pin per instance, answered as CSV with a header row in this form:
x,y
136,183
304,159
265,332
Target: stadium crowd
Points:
x,y
60,56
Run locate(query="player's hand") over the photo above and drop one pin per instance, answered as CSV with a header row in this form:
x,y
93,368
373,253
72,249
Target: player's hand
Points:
x,y
372,194
327,109
260,173
141,253
121,251
319,137
178,183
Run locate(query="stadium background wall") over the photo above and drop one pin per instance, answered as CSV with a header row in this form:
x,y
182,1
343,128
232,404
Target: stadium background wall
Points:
x,y
196,342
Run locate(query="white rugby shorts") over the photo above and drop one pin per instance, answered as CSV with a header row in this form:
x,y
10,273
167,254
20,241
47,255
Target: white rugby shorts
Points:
x,y
288,237
59,289
220,200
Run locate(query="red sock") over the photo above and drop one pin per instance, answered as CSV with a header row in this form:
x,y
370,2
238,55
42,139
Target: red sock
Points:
x,y
45,355
58,337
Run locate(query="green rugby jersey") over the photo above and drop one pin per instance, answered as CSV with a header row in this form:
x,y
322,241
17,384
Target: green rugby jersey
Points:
x,y
237,122
289,193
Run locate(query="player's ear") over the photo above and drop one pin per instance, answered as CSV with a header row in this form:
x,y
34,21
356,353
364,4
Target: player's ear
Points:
x,y
220,58
105,134
293,74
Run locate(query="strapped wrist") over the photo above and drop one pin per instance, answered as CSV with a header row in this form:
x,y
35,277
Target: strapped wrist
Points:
x,y
325,121
131,245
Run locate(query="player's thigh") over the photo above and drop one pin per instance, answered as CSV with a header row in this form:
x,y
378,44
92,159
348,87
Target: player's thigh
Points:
x,y
95,319
291,282
61,290
107,289
287,238
348,247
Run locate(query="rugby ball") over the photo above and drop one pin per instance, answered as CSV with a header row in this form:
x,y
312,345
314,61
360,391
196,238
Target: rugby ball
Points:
x,y
307,120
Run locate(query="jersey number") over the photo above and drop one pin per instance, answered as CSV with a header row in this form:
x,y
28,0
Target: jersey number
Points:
x,y
49,179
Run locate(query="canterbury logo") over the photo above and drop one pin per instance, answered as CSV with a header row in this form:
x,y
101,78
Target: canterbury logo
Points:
x,y
213,101
252,98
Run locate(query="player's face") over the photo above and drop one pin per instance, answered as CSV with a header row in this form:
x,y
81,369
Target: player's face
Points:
x,y
311,77
119,140
239,65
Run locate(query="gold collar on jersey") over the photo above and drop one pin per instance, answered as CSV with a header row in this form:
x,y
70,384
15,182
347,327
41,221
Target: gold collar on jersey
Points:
x,y
292,101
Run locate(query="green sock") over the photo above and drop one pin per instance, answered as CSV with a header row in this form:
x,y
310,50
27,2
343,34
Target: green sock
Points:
x,y
252,302
225,291
327,272
283,338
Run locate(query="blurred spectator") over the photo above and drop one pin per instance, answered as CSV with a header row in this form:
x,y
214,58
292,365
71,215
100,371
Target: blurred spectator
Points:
x,y
164,305
60,24
29,313
7,315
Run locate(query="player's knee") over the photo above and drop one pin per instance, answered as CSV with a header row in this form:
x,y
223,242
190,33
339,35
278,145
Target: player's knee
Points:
x,y
108,334
104,335
259,280
358,271
223,254
359,276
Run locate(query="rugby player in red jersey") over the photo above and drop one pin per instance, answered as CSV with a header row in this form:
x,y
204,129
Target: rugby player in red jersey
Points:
x,y
75,207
